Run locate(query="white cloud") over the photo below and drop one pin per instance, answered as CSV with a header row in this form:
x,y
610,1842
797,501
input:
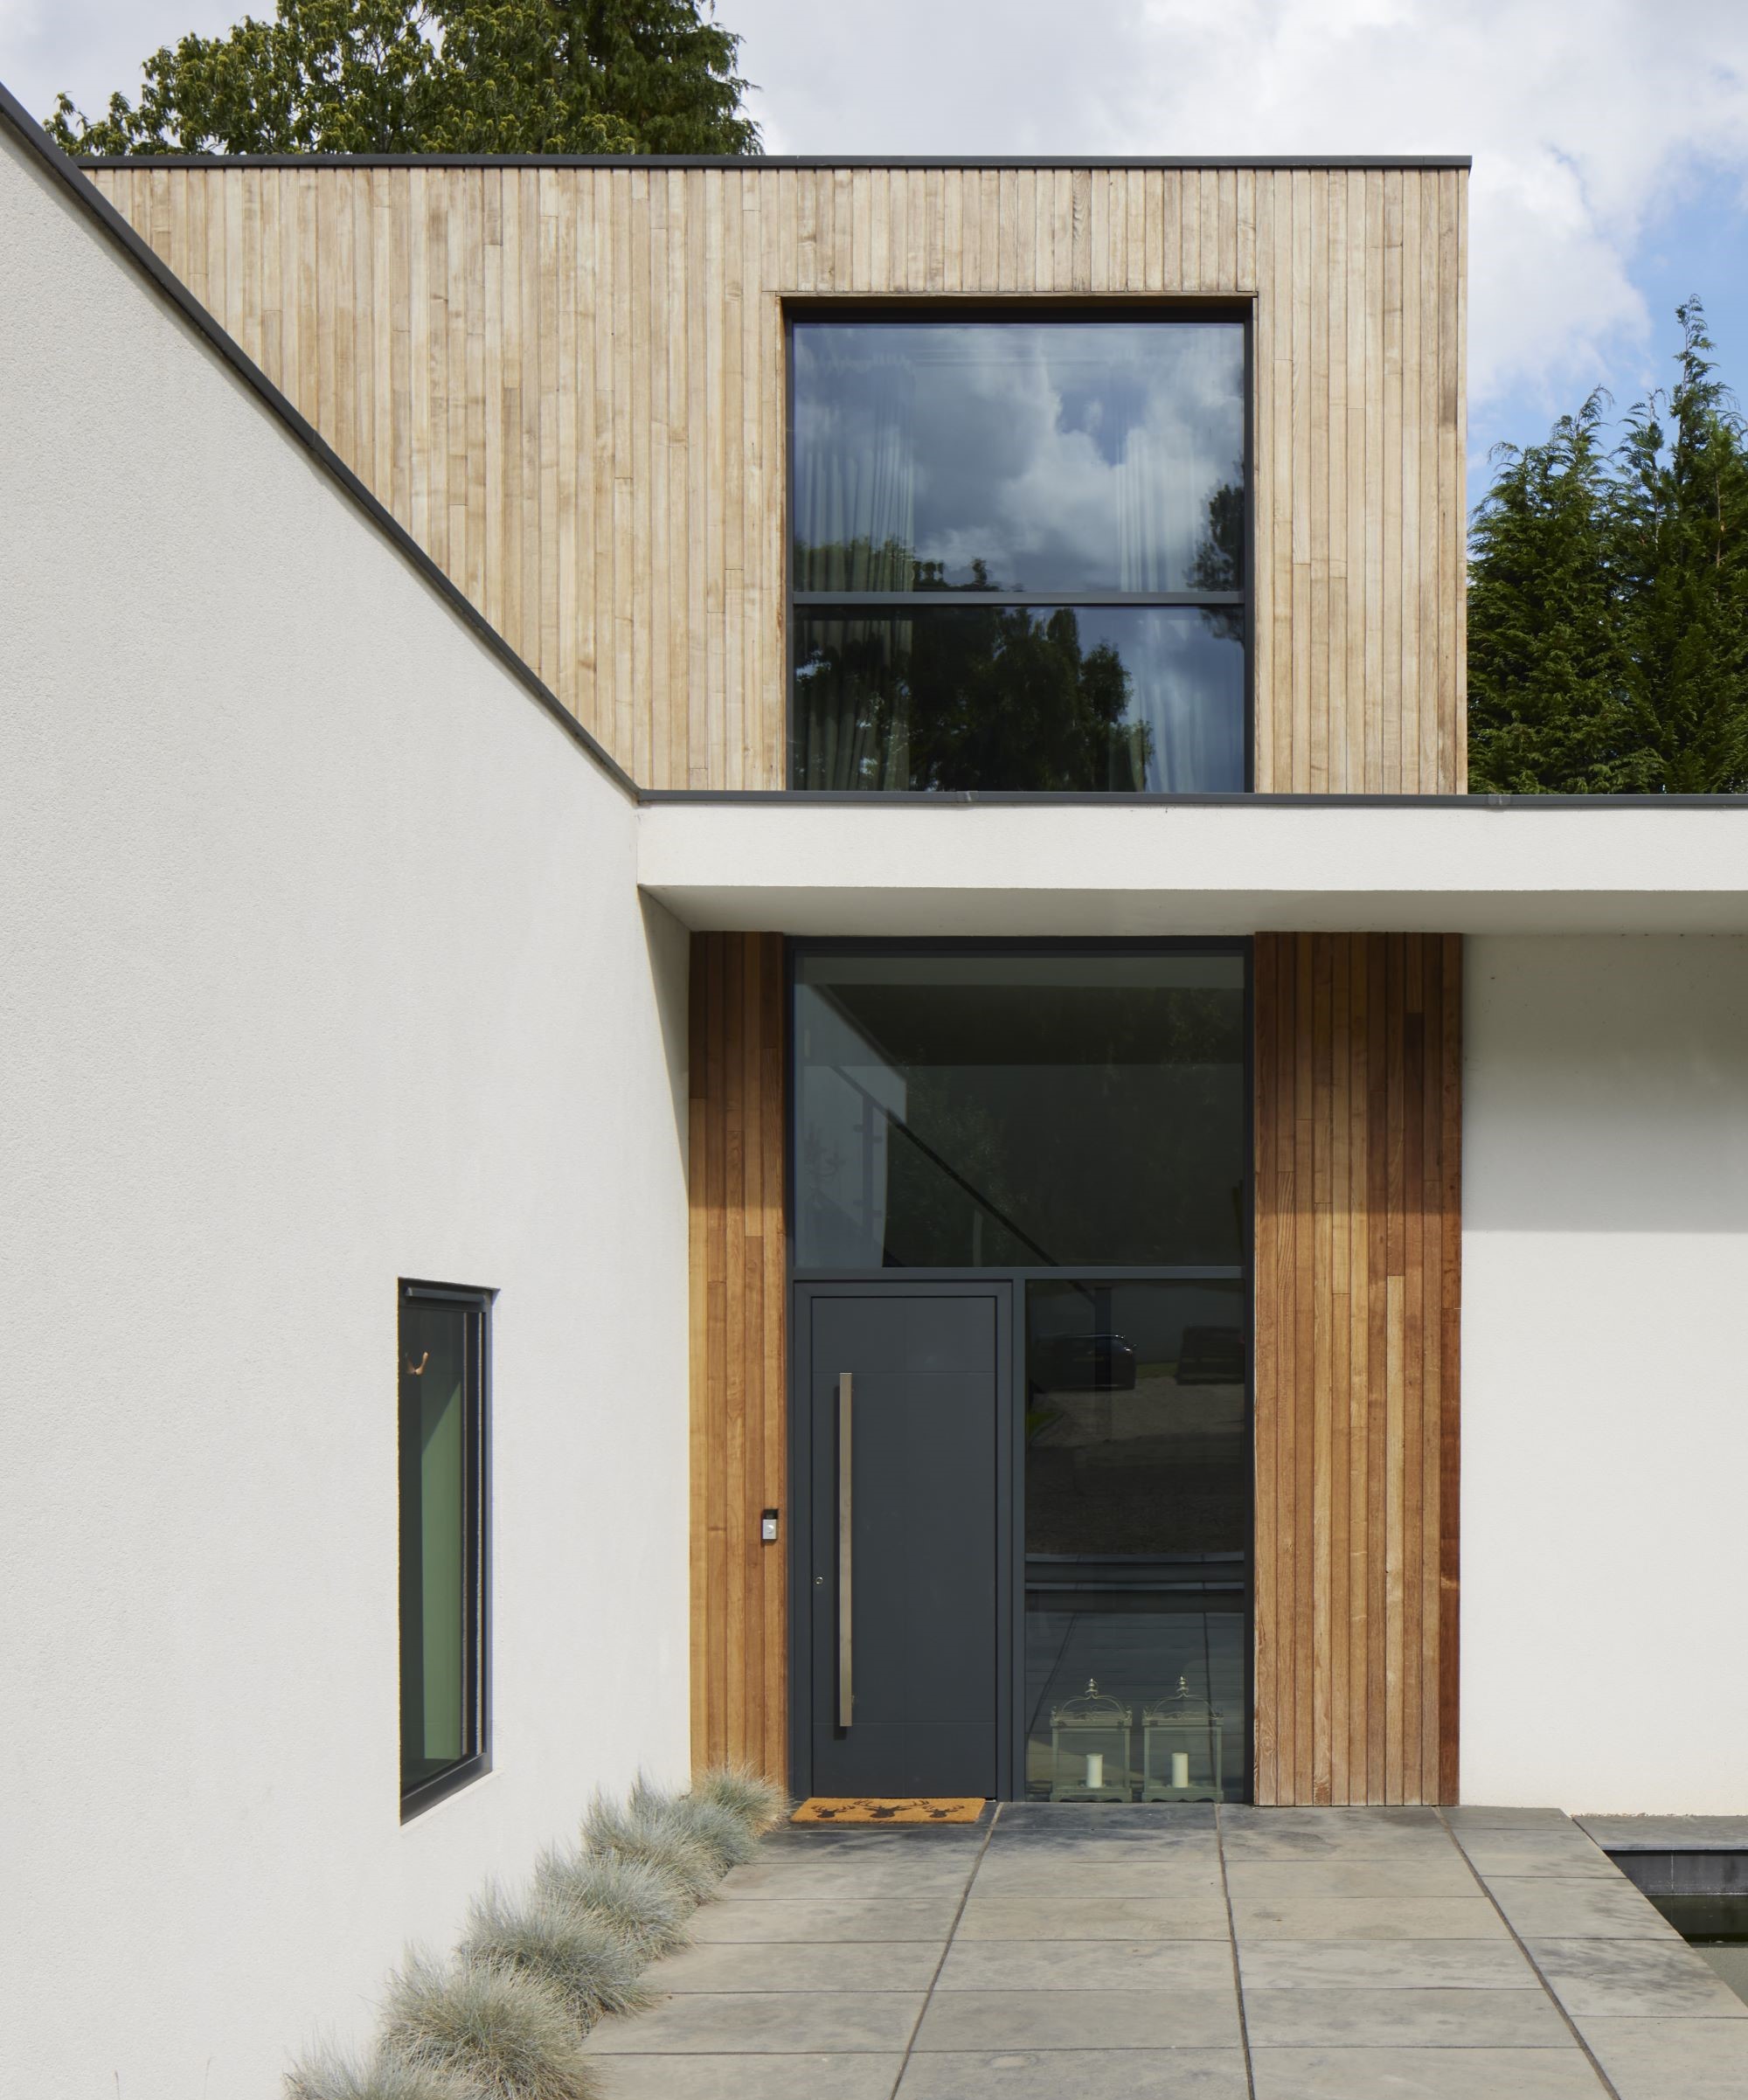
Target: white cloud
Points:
x,y
94,47
1584,120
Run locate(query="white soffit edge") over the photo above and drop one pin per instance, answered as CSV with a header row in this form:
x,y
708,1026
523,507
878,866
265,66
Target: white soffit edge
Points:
x,y
964,867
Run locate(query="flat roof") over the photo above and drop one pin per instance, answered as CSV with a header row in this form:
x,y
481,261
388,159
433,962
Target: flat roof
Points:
x,y
1234,865
761,160
1009,798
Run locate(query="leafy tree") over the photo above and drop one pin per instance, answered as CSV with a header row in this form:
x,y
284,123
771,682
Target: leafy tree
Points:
x,y
975,694
1608,599
1014,696
437,76
1219,562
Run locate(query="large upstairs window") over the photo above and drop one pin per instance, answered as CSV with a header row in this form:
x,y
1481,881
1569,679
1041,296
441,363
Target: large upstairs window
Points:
x,y
1019,557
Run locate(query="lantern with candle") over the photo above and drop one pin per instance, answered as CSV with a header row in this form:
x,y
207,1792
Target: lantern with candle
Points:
x,y
1090,1740
1180,1749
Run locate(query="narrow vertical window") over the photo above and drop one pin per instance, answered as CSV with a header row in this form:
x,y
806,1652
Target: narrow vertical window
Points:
x,y
442,1377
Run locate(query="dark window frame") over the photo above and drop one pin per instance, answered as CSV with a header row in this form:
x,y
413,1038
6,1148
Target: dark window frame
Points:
x,y
475,1760
1055,306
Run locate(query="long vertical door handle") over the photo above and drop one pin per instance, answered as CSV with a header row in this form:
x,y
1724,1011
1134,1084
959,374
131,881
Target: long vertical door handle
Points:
x,y
846,1555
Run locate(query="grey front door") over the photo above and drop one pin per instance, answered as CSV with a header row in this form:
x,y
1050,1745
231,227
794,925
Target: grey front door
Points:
x,y
906,1388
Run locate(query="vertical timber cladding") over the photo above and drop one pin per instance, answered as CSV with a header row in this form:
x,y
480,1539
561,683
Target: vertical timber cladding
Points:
x,y
739,1659
568,384
1358,1242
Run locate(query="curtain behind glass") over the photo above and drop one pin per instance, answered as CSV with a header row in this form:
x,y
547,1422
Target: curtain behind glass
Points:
x,y
1029,456
1155,525
1190,697
852,718
855,495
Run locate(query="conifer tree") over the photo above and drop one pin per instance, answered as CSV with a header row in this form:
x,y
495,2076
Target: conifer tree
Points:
x,y
1608,599
1546,663
1681,561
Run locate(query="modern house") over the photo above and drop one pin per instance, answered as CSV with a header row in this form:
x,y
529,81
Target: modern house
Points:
x,y
752,1013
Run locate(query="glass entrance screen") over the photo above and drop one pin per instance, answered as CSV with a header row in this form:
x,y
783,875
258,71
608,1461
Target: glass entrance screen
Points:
x,y
1137,1529
1033,1110
1075,1118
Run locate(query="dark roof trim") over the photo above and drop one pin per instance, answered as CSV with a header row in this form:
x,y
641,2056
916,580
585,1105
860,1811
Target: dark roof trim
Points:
x,y
753,162
84,196
984,798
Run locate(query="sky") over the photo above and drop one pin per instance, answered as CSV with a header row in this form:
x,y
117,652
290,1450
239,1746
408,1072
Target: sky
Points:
x,y
1609,137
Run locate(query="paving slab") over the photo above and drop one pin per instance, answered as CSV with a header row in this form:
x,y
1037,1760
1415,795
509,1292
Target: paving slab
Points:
x,y
749,2077
1102,1818
1404,2018
1436,1874
1081,2020
1482,1965
1085,2074
1393,1918
1565,1854
1671,2059
1110,1918
1242,1816
826,2023
1481,1818
1666,1833
827,1918
1089,1964
1052,1875
1628,1979
864,1877
1083,1954
1194,1849
1346,1838
1425,2074
800,1965
878,1839
1541,1907
1146,1839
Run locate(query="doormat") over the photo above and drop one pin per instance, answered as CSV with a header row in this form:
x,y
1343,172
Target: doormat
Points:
x,y
908,1808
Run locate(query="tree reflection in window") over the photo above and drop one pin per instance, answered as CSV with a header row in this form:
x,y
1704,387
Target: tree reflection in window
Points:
x,y
956,699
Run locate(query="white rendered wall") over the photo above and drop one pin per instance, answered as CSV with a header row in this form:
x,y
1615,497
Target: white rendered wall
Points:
x,y
323,966
1604,1664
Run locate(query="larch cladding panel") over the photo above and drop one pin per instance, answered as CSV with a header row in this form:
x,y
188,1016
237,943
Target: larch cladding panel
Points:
x,y
740,1455
568,382
1358,1247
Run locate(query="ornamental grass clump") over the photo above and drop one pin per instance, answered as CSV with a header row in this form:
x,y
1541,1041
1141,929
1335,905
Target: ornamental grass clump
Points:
x,y
573,1948
644,1906
507,2033
506,2019
724,1835
328,2075
746,1793
647,1829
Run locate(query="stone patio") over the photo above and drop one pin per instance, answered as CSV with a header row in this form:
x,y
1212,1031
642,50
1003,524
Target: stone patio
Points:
x,y
1069,1953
